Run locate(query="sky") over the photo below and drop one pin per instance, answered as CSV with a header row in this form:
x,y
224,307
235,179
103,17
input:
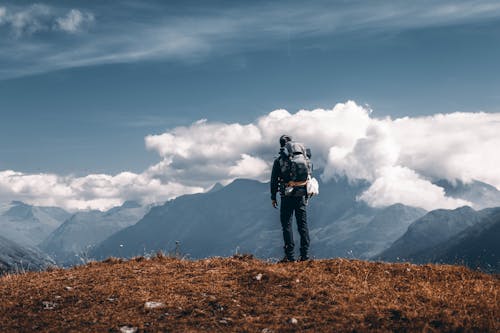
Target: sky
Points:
x,y
102,102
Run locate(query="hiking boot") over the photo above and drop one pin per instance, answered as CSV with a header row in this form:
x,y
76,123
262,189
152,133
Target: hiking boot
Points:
x,y
286,260
304,258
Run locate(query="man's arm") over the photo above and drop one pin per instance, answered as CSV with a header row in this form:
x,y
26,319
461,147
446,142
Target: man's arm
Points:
x,y
275,174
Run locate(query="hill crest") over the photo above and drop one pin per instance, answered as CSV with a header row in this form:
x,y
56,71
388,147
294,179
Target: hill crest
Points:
x,y
246,294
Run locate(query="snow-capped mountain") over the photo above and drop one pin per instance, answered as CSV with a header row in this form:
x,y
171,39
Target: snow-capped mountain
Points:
x,y
29,225
72,240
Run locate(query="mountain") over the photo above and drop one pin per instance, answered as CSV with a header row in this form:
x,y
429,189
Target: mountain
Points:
x,y
477,246
430,230
239,218
71,241
480,194
15,258
386,226
28,225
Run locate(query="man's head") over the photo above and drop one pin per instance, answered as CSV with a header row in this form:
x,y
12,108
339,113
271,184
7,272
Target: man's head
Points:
x,y
284,139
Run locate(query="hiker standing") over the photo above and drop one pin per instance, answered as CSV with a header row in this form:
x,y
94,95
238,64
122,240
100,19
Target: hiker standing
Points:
x,y
291,170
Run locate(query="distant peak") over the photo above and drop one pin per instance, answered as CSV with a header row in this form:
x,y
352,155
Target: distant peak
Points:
x,y
216,187
130,204
464,209
18,203
244,181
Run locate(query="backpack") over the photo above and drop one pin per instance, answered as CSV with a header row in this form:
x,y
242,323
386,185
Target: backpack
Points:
x,y
295,163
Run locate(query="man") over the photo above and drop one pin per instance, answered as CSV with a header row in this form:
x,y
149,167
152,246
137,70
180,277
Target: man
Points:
x,y
294,202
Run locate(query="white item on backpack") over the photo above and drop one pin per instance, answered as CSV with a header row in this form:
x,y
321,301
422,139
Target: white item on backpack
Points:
x,y
312,186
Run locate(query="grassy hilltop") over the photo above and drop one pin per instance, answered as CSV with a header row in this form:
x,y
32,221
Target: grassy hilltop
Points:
x,y
246,294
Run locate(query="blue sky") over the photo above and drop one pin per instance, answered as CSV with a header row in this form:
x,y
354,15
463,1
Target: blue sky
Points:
x,y
82,83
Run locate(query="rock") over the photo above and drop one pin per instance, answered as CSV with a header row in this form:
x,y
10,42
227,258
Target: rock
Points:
x,y
68,288
128,329
258,277
153,305
294,321
48,305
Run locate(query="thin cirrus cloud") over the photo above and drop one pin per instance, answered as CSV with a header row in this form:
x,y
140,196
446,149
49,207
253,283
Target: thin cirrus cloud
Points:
x,y
399,157
191,34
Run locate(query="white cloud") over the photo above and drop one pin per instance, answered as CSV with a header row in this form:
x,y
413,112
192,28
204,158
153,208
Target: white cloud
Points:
x,y
28,20
399,157
36,18
74,20
397,184
250,167
187,35
96,191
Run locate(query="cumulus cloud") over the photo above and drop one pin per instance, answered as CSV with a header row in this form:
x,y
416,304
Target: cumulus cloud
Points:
x,y
399,157
74,20
38,17
27,20
96,191
400,184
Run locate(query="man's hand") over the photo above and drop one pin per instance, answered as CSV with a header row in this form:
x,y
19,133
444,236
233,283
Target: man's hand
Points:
x,y
275,204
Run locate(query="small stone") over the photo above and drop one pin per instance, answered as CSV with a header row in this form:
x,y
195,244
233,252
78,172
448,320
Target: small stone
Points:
x,y
48,305
128,329
258,277
154,305
111,299
297,281
58,297
294,321
68,288
266,330
223,321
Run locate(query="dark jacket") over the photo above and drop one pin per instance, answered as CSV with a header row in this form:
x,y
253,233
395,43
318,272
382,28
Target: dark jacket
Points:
x,y
277,178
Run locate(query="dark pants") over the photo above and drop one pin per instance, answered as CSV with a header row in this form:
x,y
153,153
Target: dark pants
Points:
x,y
289,205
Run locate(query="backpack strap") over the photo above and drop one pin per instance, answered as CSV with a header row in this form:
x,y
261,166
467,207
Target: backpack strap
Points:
x,y
297,184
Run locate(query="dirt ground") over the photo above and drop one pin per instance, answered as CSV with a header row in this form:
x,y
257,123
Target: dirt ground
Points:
x,y
242,294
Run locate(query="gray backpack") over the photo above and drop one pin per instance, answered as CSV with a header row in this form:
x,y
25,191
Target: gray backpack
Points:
x,y
295,163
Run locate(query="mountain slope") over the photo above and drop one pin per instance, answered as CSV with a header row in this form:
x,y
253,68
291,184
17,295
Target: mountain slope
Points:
x,y
247,295
72,240
477,246
480,194
239,218
433,228
16,258
383,229
29,225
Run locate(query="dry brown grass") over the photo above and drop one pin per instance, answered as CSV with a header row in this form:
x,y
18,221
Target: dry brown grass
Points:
x,y
226,295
